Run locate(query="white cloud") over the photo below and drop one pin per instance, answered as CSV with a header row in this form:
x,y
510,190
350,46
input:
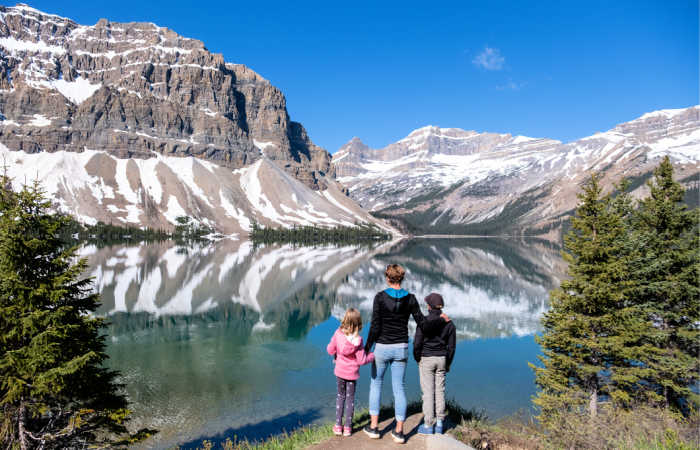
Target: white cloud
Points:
x,y
489,59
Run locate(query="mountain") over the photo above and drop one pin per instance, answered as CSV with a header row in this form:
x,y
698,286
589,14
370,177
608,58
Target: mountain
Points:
x,y
132,123
448,180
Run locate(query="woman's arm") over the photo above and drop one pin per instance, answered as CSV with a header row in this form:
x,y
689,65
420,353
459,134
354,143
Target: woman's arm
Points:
x,y
427,326
375,327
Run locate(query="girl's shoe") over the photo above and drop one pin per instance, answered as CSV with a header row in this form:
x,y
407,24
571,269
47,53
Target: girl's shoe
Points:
x,y
347,431
337,430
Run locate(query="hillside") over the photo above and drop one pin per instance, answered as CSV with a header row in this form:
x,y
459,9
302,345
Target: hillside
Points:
x,y
448,180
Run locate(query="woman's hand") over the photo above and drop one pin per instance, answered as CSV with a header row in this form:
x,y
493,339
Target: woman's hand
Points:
x,y
445,317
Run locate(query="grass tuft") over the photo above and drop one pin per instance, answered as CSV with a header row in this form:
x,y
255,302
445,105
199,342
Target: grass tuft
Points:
x,y
642,428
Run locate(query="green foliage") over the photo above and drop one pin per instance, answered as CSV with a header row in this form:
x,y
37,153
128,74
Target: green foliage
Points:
x,y
625,323
186,232
54,390
587,316
666,270
106,234
641,428
311,235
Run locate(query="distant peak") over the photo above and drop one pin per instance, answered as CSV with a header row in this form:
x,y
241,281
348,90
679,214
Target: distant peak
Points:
x,y
425,129
354,143
26,8
432,130
667,113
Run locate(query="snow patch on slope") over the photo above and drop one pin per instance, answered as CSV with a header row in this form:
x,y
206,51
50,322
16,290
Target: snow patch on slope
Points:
x,y
76,91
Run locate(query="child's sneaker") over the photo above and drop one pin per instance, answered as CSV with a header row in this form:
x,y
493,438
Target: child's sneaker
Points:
x,y
347,431
425,429
439,427
398,436
337,430
371,432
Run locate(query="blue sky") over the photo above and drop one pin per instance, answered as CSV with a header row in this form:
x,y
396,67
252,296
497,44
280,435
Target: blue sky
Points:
x,y
378,70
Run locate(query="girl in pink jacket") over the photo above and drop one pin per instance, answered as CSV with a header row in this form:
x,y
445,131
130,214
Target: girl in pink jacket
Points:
x,y
346,347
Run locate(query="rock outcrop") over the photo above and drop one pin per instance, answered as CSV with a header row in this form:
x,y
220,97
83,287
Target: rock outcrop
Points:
x,y
135,90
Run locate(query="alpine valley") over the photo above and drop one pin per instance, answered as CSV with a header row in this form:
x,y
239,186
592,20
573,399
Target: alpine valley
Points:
x,y
131,123
452,181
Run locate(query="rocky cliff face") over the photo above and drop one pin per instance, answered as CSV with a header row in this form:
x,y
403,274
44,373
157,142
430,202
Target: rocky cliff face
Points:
x,y
131,123
446,180
136,90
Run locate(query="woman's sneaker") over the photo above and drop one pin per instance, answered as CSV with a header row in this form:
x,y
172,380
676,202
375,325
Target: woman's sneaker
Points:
x,y
425,429
398,436
439,427
337,430
347,431
371,432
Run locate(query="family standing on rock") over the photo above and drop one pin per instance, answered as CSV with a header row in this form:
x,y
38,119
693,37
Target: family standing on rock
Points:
x,y
434,348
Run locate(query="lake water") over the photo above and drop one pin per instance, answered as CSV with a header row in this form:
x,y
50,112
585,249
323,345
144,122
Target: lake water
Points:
x,y
229,340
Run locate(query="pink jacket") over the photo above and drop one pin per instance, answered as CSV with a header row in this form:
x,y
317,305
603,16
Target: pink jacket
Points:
x,y
349,357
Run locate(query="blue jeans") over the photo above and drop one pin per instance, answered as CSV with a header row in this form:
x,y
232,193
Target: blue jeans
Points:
x,y
384,357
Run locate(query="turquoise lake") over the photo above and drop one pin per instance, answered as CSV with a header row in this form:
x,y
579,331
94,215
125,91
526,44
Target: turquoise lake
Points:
x,y
229,340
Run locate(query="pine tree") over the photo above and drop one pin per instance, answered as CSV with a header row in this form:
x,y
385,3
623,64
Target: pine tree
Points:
x,y
585,326
667,273
54,389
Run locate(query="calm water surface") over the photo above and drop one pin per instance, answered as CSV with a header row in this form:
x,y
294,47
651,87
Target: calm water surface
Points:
x,y
227,340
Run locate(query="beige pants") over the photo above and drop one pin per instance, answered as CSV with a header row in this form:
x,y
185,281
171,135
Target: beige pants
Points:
x,y
432,383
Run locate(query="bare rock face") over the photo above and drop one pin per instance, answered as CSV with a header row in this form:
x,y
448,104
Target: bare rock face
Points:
x,y
452,181
135,90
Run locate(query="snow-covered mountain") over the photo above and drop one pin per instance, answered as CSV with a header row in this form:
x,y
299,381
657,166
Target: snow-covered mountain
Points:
x,y
93,185
131,123
448,180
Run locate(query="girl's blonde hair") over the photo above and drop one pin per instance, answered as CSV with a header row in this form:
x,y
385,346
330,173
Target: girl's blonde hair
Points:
x,y
352,322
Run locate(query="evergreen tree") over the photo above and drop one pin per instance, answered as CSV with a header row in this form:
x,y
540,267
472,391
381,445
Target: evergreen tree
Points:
x,y
585,326
54,390
667,271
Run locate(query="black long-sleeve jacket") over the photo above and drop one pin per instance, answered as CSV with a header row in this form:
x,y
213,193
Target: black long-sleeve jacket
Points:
x,y
439,340
389,323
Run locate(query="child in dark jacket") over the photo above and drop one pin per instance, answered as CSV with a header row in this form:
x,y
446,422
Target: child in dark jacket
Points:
x,y
434,352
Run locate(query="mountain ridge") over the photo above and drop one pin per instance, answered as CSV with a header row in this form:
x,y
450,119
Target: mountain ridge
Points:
x,y
131,123
135,89
453,181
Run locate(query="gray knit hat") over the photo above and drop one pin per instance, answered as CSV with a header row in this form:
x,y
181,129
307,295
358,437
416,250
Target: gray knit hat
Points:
x,y
435,300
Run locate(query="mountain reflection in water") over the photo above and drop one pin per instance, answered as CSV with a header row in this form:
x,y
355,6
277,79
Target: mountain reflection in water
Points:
x,y
209,340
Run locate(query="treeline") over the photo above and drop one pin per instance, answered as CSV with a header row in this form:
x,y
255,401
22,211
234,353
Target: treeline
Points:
x,y
312,235
623,331
101,234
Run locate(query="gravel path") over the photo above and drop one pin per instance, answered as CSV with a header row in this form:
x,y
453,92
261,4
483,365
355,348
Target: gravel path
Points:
x,y
414,441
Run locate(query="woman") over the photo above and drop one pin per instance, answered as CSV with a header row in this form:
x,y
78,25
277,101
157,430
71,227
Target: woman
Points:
x,y
389,330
